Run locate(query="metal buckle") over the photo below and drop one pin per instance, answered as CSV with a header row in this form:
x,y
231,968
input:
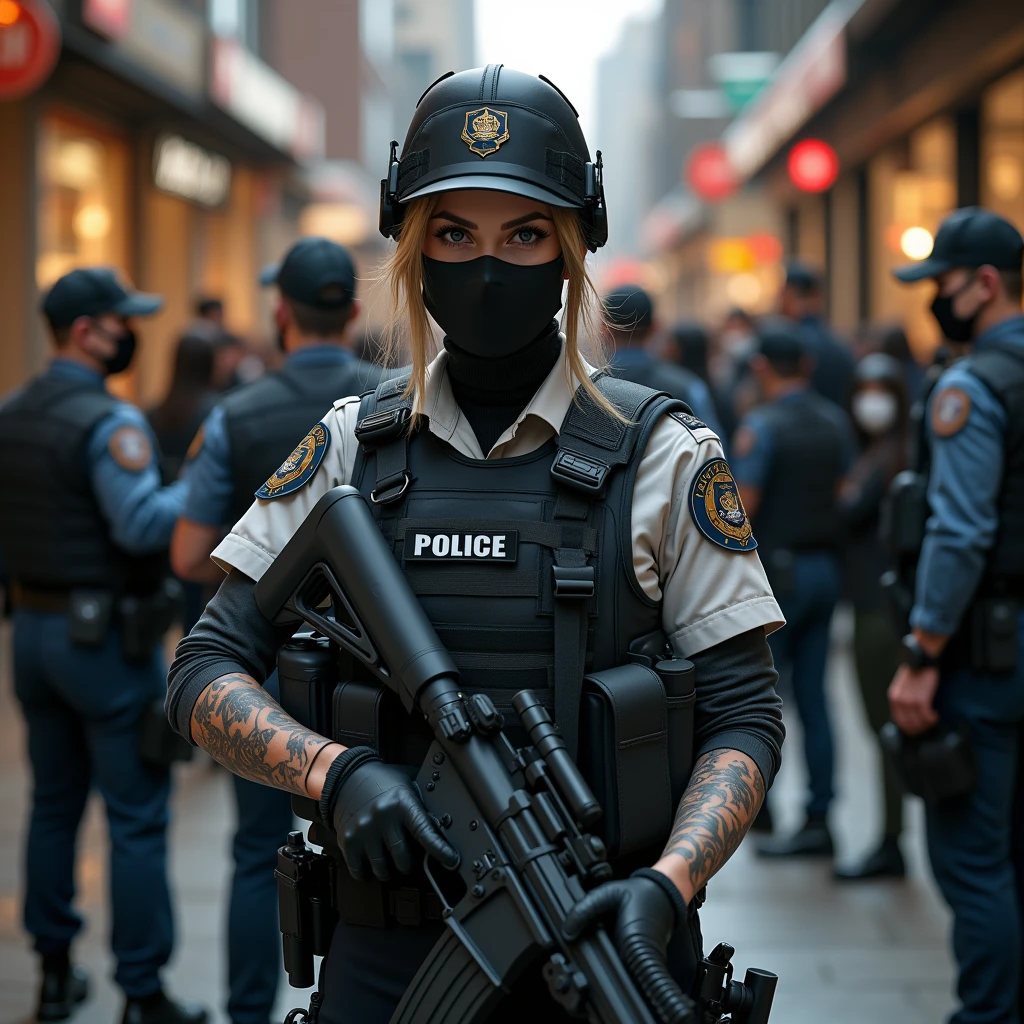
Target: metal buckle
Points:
x,y
585,474
373,430
390,494
573,584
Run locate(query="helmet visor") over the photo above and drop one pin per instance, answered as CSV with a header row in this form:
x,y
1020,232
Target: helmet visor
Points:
x,y
494,183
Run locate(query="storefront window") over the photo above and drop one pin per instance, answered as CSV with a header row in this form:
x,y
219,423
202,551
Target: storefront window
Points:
x,y
82,203
1002,147
912,187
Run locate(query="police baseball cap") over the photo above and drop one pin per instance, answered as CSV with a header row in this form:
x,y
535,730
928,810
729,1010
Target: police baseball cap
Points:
x,y
93,291
780,341
316,272
628,308
802,277
970,237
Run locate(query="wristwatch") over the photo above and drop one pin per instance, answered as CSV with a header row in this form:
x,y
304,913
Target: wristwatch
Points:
x,y
913,654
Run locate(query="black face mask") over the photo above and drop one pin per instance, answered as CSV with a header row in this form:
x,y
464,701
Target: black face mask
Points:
x,y
491,308
123,354
954,327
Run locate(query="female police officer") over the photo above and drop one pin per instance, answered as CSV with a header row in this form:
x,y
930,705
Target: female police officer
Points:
x,y
494,203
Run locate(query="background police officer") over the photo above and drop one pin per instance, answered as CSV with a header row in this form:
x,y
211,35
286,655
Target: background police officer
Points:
x,y
789,455
84,527
629,318
962,660
243,440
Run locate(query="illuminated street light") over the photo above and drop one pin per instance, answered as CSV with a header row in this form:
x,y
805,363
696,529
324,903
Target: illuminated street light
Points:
x,y
916,243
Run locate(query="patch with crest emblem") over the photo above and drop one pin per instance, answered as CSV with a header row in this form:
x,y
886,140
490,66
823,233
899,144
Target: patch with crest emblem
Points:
x,y
485,130
950,411
297,469
717,510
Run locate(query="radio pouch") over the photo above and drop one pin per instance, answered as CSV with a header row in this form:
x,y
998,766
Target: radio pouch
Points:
x,y
903,514
937,766
624,755
993,625
89,616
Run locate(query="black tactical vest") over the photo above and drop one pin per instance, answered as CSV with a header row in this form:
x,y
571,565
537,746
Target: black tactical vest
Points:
x,y
797,510
268,418
673,380
52,532
1001,368
524,565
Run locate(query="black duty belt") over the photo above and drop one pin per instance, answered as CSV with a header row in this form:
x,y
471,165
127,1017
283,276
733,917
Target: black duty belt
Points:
x,y
35,600
407,902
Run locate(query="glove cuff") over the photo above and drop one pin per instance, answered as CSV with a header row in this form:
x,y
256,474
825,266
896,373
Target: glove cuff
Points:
x,y
668,886
340,770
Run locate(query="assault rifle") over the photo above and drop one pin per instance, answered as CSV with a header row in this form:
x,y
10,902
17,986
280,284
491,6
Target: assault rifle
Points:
x,y
519,818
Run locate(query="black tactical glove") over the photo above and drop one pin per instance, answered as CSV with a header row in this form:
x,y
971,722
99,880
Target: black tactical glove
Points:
x,y
372,806
647,909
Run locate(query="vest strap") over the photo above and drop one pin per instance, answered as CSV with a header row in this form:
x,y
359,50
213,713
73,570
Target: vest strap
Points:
x,y
384,428
432,582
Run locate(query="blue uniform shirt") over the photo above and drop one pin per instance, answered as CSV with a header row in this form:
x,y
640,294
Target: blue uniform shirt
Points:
x,y
754,444
697,395
211,482
963,488
125,472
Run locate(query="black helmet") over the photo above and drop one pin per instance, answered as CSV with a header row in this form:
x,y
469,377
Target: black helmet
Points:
x,y
494,128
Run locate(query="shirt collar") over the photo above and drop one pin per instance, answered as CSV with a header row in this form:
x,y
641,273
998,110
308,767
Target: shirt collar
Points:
x,y
1011,329
69,369
550,404
320,354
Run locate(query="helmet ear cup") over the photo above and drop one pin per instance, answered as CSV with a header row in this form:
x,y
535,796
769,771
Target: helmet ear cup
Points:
x,y
391,210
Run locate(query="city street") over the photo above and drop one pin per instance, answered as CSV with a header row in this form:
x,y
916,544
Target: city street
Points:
x,y
845,955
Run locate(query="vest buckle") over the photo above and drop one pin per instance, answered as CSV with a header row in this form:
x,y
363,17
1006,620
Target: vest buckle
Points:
x,y
379,427
579,472
573,583
392,491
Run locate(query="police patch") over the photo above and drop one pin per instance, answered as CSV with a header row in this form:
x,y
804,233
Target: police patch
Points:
x,y
130,449
717,510
689,421
485,130
299,466
475,546
950,410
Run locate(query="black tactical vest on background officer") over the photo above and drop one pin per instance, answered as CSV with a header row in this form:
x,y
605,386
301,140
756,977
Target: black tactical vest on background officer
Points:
x,y
265,420
797,510
53,532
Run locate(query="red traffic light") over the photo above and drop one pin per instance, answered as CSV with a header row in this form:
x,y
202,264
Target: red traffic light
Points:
x,y
813,165
709,173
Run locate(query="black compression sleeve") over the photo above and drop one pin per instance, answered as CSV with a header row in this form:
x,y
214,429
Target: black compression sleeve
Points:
x,y
232,635
737,706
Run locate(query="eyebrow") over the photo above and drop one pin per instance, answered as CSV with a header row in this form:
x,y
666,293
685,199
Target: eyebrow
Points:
x,y
448,215
445,215
536,215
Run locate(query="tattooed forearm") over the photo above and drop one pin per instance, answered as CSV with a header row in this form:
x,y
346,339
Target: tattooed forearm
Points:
x,y
725,793
243,728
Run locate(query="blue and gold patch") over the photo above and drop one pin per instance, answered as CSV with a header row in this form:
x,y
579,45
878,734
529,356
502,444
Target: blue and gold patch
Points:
x,y
717,509
299,466
485,129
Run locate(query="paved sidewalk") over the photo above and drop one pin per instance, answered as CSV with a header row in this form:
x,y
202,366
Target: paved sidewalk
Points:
x,y
846,955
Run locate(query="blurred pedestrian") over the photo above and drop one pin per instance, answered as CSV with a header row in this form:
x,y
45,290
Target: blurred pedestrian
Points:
x,y
893,342
245,438
734,387
963,664
177,419
630,326
788,458
803,299
210,309
84,527
880,415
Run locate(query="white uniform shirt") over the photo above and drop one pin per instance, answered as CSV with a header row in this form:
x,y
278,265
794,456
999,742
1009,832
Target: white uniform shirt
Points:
x,y
708,593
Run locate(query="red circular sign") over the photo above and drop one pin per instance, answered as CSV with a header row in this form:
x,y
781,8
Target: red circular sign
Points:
x,y
709,173
813,165
29,46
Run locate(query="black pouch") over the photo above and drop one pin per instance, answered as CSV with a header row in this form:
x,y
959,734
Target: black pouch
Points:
x,y
678,677
624,755
143,621
993,627
89,616
937,766
159,745
903,514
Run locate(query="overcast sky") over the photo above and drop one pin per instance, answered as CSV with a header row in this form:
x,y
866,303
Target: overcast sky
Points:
x,y
562,39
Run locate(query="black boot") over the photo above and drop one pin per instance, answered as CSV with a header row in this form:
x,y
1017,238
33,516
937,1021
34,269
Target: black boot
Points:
x,y
63,987
813,839
158,1009
885,862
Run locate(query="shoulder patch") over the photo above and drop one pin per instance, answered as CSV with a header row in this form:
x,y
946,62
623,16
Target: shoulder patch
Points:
x,y
689,421
950,410
297,469
197,444
717,510
130,448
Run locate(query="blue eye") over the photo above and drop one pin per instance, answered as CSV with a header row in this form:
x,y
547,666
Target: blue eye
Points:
x,y
451,234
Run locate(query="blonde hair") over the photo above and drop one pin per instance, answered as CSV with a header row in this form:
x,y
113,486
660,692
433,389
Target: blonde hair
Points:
x,y
409,323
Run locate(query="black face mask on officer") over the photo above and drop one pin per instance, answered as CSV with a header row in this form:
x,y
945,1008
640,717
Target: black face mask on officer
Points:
x,y
489,307
956,328
122,356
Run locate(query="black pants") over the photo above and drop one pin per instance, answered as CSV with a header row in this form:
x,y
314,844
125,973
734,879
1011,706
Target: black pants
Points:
x,y
368,970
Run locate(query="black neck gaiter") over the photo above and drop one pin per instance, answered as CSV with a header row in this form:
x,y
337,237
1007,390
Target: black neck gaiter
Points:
x,y
492,392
